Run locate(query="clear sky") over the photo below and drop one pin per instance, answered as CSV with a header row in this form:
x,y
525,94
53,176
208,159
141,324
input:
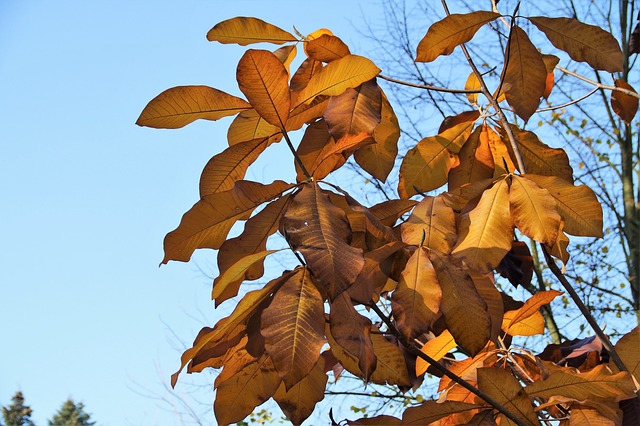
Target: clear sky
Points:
x,y
87,196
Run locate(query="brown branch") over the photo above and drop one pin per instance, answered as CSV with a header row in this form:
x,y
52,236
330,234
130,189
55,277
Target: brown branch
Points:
x,y
295,154
427,87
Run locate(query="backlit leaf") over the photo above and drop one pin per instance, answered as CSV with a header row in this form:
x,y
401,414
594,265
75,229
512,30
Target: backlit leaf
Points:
x,y
326,48
293,328
338,76
486,232
265,82
501,152
299,402
486,287
583,42
472,83
244,31
208,222
303,74
248,125
476,161
525,75
378,158
227,283
310,151
623,105
286,55
534,210
388,212
355,111
578,205
307,113
253,239
179,106
237,397
432,224
530,307
503,387
464,310
587,416
229,166
628,347
375,273
320,231
443,36
431,411
550,62
416,300
381,420
435,348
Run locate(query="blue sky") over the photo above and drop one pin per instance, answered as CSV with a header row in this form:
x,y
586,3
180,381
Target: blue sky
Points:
x,y
87,196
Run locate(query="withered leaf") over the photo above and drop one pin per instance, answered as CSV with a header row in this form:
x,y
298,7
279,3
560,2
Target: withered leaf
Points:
x,y
244,31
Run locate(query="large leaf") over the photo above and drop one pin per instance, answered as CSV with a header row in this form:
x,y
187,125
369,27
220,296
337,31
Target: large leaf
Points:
x,y
352,332
539,158
486,232
529,309
179,106
237,396
432,224
432,411
248,125
504,388
265,82
464,310
293,327
226,285
303,74
435,348
485,284
378,158
229,166
375,273
625,106
628,347
208,222
248,306
320,231
299,401
388,212
312,151
578,205
534,210
244,31
583,42
354,111
443,36
326,48
416,300
253,239
598,384
338,76
476,161
525,75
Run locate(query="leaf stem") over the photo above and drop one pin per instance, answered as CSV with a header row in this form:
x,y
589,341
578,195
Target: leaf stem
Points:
x,y
599,85
295,154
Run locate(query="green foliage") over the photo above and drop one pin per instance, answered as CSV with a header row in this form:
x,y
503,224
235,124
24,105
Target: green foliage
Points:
x,y
71,414
17,414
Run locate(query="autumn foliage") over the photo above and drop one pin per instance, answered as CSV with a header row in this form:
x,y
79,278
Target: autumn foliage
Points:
x,y
387,291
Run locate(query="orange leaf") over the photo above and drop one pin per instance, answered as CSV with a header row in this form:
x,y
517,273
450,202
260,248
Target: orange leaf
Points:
x,y
476,160
244,31
435,348
432,224
583,42
550,62
432,411
179,106
388,212
628,347
534,210
443,36
505,389
303,74
326,48
265,82
530,307
355,111
623,105
525,75
248,125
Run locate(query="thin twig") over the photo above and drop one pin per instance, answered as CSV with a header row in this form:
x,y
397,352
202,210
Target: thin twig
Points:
x,y
295,154
599,85
428,87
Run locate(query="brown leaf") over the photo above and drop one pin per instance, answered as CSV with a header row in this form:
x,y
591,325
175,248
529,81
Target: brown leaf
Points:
x,y
379,158
628,347
326,48
265,82
244,31
550,62
208,222
381,420
293,328
215,353
525,74
375,273
486,232
352,332
623,105
416,300
534,210
578,205
339,75
230,166
476,160
464,310
253,239
320,231
505,389
286,55
586,416
486,287
179,106
443,36
483,418
307,113
237,397
354,111
303,74
529,309
517,265
388,212
432,224
299,402
583,42
248,125
234,362
431,411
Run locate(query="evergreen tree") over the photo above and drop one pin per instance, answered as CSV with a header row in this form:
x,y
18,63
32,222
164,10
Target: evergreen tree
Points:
x,y
17,414
71,414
